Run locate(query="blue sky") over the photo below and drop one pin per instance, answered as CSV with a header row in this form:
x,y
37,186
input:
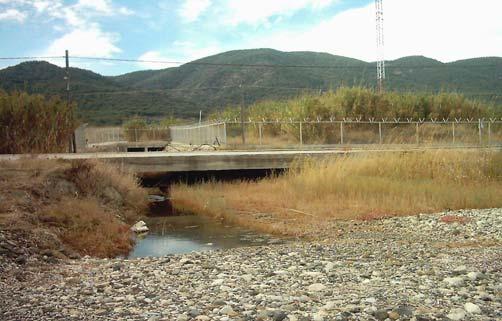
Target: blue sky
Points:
x,y
184,30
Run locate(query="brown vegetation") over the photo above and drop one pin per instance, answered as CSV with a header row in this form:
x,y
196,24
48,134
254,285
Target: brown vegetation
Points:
x,y
365,186
34,124
82,207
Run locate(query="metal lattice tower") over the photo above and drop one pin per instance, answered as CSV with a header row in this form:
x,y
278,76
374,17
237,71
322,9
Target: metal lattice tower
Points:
x,y
380,46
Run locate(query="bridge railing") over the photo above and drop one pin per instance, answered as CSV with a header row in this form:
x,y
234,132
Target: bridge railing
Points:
x,y
200,134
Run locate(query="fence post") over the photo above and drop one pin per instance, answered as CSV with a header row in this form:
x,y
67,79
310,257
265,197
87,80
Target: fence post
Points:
x,y
225,131
301,134
489,133
416,133
453,131
380,132
480,135
260,132
341,132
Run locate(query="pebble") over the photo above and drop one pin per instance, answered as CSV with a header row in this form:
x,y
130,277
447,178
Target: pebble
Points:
x,y
392,269
472,308
456,314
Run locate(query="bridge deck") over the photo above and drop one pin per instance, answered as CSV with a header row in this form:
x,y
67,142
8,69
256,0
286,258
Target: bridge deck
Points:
x,y
158,162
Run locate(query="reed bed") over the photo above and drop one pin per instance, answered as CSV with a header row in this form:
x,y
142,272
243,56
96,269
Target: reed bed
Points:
x,y
365,186
34,124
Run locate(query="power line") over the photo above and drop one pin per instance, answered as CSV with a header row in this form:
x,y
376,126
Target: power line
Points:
x,y
323,89
200,63
242,65
32,58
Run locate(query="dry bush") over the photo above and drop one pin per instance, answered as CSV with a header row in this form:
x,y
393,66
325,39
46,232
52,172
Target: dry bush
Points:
x,y
87,204
87,228
363,186
102,180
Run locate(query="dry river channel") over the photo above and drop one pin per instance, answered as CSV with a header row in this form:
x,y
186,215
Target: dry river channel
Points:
x,y
421,267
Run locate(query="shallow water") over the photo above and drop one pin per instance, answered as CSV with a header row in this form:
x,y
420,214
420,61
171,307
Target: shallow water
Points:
x,y
183,234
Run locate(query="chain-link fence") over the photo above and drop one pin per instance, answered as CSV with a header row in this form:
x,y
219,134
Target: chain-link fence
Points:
x,y
295,134
200,134
106,135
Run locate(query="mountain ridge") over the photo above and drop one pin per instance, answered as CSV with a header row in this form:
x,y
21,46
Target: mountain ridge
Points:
x,y
214,82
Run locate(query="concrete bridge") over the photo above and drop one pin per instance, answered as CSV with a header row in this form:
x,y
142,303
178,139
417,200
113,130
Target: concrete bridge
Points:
x,y
164,162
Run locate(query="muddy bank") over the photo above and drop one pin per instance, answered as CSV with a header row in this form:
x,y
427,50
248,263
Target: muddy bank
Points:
x,y
52,210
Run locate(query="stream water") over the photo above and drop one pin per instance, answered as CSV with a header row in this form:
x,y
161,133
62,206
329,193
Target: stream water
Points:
x,y
175,234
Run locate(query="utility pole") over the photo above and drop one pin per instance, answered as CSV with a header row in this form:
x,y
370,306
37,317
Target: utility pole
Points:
x,y
242,115
72,143
380,46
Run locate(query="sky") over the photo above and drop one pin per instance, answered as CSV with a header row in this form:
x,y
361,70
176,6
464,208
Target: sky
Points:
x,y
185,30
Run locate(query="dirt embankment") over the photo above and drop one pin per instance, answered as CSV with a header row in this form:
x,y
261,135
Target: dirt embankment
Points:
x,y
54,209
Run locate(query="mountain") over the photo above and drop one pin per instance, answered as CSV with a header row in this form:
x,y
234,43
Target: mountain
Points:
x,y
245,76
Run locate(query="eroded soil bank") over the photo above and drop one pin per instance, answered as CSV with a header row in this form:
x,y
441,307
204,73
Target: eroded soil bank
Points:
x,y
53,210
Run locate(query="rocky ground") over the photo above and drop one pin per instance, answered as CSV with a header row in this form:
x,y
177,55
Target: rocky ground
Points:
x,y
446,266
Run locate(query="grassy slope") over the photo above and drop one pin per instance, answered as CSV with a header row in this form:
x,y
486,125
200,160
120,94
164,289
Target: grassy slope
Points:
x,y
357,187
84,207
138,92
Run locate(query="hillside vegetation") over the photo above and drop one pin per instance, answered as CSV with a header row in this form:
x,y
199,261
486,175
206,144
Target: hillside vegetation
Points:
x,y
206,85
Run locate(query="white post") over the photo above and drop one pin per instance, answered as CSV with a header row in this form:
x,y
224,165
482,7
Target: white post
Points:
x,y
480,135
260,132
416,133
301,134
380,132
489,133
453,132
341,132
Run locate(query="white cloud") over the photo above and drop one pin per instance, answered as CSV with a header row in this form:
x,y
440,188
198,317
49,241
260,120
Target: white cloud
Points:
x,y
447,30
190,10
81,34
260,11
91,41
180,52
13,14
41,5
102,6
154,55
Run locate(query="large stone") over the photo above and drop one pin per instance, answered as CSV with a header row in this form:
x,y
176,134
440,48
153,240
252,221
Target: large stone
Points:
x,y
472,308
316,287
140,227
227,310
456,314
454,281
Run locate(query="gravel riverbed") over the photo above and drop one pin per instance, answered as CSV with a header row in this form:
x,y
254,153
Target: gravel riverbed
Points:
x,y
446,266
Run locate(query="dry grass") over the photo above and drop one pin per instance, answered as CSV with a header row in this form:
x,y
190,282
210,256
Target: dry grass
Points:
x,y
101,180
366,186
87,227
86,205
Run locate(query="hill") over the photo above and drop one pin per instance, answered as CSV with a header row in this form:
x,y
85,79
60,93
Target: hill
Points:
x,y
245,76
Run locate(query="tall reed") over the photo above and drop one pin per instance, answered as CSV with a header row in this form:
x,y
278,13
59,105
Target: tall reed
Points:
x,y
366,185
34,124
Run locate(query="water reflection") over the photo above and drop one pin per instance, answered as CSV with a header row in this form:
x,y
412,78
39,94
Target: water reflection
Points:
x,y
182,234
